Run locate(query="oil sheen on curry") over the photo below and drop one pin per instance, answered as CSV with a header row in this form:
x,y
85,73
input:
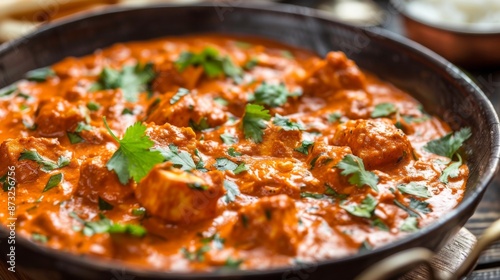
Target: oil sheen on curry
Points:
x,y
213,152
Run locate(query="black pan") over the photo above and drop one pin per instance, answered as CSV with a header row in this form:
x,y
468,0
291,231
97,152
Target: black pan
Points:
x,y
441,87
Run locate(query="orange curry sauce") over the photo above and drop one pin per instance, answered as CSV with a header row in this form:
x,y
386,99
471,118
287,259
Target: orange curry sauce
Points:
x,y
287,201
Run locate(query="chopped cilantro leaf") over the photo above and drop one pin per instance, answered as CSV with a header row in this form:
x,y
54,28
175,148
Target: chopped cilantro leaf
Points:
x,y
200,165
251,63
197,186
380,224
232,191
46,164
127,111
415,189
180,93
420,206
182,160
74,138
410,224
212,63
286,123
223,164
334,117
449,144
312,195
134,159
365,247
104,205
408,210
141,211
29,125
40,74
364,209
198,255
228,139
3,182
271,94
451,171
93,106
304,147
221,101
131,79
384,110
242,45
40,238
253,122
104,225
287,54
216,240
23,96
134,230
8,90
232,263
331,192
232,152
353,165
54,180
241,168
411,119
201,125
81,126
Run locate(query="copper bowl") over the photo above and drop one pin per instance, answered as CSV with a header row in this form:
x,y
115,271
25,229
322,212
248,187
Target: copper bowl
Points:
x,y
463,46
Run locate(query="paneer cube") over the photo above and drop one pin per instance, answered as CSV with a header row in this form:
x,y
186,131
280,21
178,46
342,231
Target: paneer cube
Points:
x,y
378,142
97,181
271,222
335,73
29,170
56,116
199,113
178,196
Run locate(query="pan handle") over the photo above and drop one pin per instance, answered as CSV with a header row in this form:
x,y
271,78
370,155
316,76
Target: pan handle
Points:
x,y
407,260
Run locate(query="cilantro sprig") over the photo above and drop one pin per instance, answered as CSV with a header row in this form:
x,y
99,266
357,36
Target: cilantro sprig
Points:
x,y
134,159
253,122
359,176
131,79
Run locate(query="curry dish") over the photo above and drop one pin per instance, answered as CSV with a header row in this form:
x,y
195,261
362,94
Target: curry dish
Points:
x,y
214,152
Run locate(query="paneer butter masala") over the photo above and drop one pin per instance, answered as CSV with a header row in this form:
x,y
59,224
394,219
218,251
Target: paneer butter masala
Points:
x,y
214,152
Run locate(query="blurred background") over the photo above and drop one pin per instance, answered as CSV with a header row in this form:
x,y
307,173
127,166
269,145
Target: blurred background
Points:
x,y
466,32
